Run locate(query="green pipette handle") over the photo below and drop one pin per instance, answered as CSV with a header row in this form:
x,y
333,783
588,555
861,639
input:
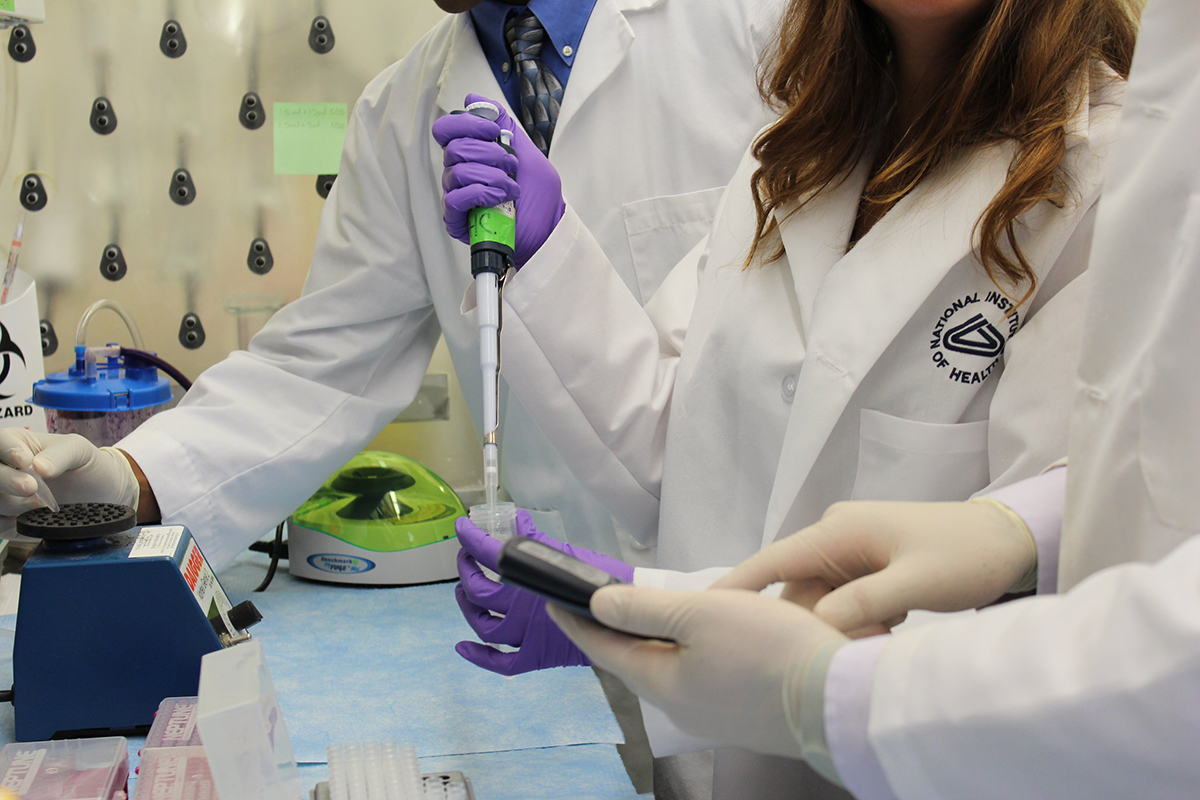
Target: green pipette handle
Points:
x,y
492,230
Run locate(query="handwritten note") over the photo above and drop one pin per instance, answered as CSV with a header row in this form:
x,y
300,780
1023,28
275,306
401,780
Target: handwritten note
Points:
x,y
309,137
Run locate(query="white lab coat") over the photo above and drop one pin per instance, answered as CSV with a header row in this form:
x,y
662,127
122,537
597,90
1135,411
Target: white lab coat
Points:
x,y
821,377
739,404
1095,694
641,161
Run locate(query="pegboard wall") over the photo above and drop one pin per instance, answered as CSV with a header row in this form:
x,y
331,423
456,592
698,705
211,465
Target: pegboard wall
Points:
x,y
148,126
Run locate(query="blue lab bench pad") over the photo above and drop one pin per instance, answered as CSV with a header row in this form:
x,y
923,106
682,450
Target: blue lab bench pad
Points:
x,y
355,663
580,772
553,773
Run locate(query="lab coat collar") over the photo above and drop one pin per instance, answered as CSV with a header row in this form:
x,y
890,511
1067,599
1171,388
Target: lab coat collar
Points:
x,y
1102,89
815,238
605,44
466,70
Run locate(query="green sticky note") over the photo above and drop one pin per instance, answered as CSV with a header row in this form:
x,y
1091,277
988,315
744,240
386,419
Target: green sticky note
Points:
x,y
8,5
309,137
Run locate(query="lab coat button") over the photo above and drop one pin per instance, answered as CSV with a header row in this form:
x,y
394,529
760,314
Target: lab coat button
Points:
x,y
789,388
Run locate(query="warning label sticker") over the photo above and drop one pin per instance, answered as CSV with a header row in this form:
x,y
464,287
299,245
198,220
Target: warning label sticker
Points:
x,y
203,583
158,540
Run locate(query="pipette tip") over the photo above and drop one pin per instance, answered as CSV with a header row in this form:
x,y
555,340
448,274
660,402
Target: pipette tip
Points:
x,y
43,492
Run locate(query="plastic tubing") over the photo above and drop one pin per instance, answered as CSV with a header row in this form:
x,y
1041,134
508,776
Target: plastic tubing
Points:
x,y
165,366
86,319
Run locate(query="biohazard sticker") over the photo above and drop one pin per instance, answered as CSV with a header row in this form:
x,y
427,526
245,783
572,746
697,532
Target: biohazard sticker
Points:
x,y
20,356
970,335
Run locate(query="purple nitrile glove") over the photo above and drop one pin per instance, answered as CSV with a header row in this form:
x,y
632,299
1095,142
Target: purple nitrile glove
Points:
x,y
524,623
477,173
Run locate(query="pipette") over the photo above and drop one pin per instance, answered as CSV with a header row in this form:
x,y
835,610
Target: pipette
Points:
x,y
13,254
492,233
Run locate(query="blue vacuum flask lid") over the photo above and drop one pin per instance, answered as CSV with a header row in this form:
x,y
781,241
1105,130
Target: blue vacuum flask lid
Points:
x,y
118,383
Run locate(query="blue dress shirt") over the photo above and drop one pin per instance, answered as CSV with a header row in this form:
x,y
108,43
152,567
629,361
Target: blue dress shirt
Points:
x,y
564,20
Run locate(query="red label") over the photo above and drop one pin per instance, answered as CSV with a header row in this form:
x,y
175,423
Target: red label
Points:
x,y
191,570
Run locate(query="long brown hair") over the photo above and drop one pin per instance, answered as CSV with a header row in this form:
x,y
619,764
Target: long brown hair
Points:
x,y
1019,75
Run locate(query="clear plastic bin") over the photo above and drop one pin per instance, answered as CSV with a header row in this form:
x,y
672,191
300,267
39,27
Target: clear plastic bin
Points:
x,y
101,428
174,773
174,724
71,769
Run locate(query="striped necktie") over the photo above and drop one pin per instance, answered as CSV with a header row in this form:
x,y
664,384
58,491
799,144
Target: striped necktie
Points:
x,y
541,93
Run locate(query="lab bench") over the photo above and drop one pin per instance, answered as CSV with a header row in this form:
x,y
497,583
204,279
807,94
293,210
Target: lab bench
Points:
x,y
358,663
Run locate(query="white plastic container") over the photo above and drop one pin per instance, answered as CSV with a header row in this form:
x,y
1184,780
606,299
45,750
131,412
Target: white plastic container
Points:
x,y
242,727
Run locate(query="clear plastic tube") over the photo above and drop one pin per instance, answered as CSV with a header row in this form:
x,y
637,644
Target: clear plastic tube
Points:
x,y
499,520
502,518
411,773
393,773
14,254
112,305
374,770
43,491
335,755
491,485
356,778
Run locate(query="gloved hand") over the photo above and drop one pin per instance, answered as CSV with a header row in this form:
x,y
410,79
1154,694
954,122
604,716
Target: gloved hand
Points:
x,y
524,623
74,469
867,564
741,668
477,173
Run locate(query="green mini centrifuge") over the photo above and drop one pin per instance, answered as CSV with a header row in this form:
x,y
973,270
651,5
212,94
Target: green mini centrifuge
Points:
x,y
381,519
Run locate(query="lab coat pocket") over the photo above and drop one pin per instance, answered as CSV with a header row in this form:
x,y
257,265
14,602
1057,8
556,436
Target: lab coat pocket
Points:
x,y
902,459
661,231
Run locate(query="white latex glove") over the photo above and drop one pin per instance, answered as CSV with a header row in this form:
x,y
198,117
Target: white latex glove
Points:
x,y
742,669
865,565
75,470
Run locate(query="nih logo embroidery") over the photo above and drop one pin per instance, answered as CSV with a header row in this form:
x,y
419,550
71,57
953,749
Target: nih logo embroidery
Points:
x,y
969,336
